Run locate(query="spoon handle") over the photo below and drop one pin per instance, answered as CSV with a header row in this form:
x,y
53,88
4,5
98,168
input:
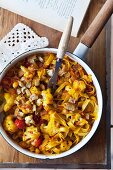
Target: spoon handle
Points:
x,y
65,39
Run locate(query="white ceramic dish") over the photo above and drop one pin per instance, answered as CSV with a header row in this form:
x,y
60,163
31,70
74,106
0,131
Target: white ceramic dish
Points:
x,y
95,125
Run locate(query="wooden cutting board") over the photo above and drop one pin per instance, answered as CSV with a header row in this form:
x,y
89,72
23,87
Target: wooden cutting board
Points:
x,y
96,153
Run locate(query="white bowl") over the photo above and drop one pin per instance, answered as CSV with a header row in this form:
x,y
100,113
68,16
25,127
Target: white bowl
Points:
x,y
94,127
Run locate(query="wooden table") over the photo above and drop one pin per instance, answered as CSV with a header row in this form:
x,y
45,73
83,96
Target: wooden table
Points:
x,y
96,153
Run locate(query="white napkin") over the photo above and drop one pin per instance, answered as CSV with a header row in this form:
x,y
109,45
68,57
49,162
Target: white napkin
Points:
x,y
19,40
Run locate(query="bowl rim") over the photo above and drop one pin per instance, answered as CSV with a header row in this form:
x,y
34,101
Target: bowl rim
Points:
x,y
95,125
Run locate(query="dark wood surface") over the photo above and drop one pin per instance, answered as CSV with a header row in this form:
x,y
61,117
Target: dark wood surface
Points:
x,y
97,25
95,154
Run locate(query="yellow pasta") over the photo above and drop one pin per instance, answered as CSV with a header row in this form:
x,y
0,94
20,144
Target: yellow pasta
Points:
x,y
42,122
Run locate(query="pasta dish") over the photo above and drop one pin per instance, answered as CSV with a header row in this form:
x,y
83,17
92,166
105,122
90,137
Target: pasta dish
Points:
x,y
40,121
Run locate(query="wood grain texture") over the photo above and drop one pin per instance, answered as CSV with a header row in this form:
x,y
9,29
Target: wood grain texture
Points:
x,y
94,152
64,41
97,25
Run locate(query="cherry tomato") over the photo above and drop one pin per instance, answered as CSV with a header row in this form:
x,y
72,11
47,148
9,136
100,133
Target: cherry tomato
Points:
x,y
38,142
20,123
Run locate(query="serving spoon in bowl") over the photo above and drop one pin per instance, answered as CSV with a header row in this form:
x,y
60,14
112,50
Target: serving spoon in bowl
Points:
x,y
62,48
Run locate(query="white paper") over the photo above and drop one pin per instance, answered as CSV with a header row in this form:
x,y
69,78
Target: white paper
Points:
x,y
53,13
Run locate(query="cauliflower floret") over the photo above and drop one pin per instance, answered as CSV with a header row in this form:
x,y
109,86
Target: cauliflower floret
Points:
x,y
9,124
9,101
31,134
79,85
47,97
34,90
29,120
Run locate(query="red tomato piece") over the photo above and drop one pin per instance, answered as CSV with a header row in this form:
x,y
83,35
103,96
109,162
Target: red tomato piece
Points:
x,y
20,123
38,142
